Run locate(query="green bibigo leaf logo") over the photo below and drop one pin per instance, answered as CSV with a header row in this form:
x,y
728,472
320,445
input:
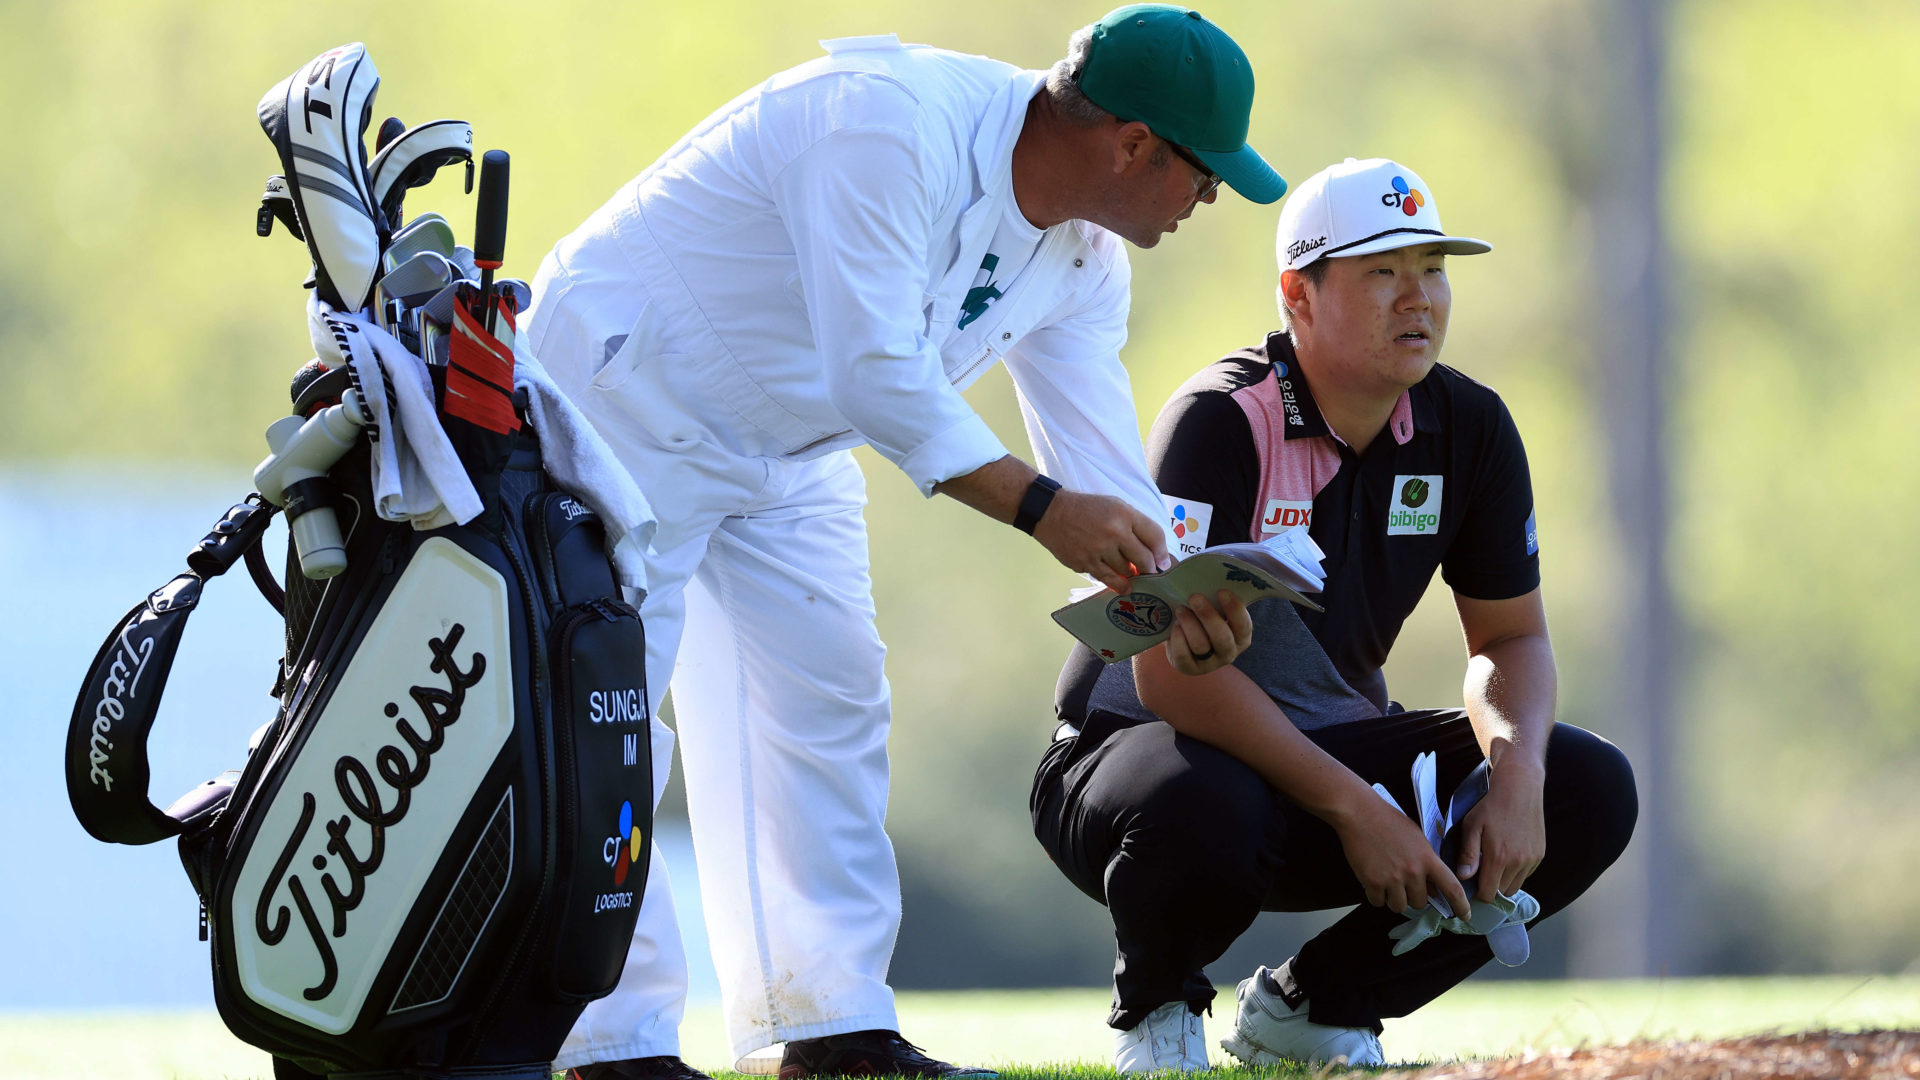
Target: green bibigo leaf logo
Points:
x,y
1415,510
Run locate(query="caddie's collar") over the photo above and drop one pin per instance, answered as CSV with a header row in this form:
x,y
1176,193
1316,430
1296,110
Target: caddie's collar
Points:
x,y
1414,412
1000,128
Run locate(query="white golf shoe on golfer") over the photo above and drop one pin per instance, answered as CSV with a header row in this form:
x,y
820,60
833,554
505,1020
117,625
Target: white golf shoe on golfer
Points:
x,y
1170,1039
1268,1031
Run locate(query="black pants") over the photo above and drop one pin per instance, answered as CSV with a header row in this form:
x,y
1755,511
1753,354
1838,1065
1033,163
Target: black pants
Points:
x,y
1143,820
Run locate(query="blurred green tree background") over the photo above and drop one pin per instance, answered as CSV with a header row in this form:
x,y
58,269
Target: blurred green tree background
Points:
x,y
141,320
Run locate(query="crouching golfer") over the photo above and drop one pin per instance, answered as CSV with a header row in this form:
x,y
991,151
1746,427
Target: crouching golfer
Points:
x,y
1254,794
826,261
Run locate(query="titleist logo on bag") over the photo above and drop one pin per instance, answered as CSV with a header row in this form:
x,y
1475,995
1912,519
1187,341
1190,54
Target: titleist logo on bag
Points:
x,y
121,685
361,817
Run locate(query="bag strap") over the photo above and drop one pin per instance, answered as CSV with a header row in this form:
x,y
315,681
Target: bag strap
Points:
x,y
107,767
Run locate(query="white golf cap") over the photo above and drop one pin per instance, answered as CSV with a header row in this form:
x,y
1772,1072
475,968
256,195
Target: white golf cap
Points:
x,y
1361,207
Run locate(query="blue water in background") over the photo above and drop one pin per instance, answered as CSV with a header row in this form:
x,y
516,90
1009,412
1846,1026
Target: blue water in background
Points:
x,y
88,925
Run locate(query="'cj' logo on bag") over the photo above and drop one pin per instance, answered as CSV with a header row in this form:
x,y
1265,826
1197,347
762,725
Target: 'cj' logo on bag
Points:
x,y
1415,510
622,849
620,852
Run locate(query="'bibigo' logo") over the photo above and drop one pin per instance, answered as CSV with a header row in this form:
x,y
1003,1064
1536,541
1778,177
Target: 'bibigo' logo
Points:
x,y
1408,199
1415,508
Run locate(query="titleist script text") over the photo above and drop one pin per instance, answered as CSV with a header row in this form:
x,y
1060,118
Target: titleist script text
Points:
x,y
367,802
122,684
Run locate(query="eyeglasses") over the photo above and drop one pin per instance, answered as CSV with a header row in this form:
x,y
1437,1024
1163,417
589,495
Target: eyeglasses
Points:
x,y
1212,180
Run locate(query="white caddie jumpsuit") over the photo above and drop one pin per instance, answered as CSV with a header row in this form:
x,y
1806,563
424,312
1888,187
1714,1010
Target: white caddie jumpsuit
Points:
x,y
783,284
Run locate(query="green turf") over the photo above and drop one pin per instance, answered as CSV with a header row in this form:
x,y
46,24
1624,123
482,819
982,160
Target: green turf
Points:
x,y
1060,1034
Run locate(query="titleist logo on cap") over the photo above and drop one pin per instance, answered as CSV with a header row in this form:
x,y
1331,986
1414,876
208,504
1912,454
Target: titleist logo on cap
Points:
x,y
1302,247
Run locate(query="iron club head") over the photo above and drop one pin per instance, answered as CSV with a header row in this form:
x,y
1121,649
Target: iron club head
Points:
x,y
440,307
463,258
417,279
428,232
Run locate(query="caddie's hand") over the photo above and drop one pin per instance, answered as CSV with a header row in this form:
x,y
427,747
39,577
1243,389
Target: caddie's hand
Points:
x,y
1506,832
1391,857
1206,637
1102,536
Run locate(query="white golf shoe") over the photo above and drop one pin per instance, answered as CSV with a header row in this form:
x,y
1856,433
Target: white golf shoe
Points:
x,y
1170,1039
1268,1031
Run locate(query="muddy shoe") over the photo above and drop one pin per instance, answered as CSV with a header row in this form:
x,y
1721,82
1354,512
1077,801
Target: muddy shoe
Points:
x,y
866,1053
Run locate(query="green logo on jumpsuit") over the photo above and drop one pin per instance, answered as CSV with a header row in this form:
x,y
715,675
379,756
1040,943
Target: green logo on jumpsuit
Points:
x,y
980,296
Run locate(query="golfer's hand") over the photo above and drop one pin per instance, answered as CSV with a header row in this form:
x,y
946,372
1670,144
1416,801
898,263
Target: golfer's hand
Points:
x,y
1506,832
1206,637
1102,536
1390,856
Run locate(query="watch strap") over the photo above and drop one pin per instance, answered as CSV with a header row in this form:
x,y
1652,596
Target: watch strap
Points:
x,y
1033,505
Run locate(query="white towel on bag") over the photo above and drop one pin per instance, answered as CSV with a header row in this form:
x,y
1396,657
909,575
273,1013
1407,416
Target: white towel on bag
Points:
x,y
582,463
417,475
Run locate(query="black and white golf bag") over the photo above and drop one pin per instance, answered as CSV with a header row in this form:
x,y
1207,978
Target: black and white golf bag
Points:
x,y
433,856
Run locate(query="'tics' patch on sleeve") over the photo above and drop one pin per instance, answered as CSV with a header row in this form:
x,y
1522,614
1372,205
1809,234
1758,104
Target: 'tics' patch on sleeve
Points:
x,y
1533,535
1187,522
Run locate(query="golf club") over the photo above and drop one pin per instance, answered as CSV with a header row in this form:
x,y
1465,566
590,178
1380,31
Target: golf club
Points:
x,y
416,280
518,293
428,232
440,307
490,228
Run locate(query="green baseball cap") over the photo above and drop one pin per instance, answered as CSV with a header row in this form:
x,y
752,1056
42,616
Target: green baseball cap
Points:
x,y
1182,76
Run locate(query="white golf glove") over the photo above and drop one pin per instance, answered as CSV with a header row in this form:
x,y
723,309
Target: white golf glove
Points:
x,y
1503,920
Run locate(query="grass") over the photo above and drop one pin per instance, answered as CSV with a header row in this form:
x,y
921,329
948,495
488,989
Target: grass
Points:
x,y
1061,1034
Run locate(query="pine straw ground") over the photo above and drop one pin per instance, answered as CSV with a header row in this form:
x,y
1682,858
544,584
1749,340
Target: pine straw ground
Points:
x,y
1865,1055
1681,1029
1813,1055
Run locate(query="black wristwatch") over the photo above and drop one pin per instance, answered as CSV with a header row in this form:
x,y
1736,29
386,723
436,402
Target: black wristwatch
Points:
x,y
1033,505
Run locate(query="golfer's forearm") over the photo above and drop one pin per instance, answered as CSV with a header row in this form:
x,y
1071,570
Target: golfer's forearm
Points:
x,y
1227,710
1510,690
995,489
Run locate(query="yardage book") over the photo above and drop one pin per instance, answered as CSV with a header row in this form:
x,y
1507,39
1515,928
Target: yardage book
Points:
x,y
1116,626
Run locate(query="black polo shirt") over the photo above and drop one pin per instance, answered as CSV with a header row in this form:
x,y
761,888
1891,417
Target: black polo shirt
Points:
x,y
1241,452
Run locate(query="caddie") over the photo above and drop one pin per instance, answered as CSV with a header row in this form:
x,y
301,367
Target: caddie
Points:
x,y
1187,805
829,260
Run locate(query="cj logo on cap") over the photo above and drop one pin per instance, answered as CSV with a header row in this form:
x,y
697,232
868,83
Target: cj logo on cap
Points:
x,y
1408,199
1415,510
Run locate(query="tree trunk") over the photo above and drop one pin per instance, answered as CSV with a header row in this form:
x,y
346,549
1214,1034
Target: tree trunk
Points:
x,y
1629,925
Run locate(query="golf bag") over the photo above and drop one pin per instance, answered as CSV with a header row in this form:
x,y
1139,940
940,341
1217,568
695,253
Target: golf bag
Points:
x,y
433,856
